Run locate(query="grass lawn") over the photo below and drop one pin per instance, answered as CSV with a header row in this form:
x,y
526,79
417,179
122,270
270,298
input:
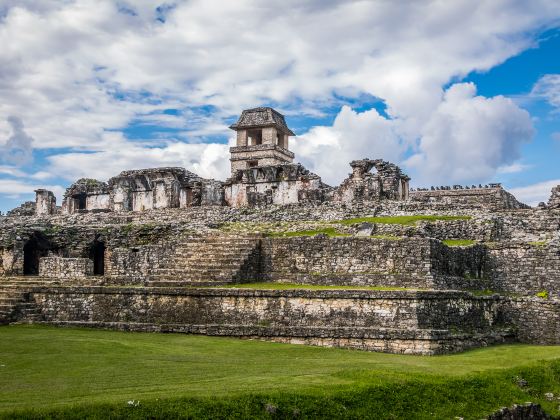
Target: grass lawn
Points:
x,y
80,373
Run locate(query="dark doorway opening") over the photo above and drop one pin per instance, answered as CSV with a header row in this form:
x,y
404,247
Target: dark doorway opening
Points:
x,y
97,254
36,247
80,201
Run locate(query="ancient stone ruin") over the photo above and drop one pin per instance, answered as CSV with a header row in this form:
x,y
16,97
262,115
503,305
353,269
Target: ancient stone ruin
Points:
x,y
152,249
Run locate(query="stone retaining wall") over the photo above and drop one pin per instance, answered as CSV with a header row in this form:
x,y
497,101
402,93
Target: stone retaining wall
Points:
x,y
65,268
404,321
524,268
411,262
537,320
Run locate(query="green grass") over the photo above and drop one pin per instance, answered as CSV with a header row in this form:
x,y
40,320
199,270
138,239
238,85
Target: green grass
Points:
x,y
401,220
79,373
458,242
538,243
290,286
331,232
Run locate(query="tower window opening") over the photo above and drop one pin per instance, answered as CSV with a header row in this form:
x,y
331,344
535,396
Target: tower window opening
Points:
x,y
254,137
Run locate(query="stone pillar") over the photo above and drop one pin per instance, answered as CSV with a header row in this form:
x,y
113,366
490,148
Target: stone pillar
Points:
x,y
242,138
45,202
120,196
160,194
269,135
554,200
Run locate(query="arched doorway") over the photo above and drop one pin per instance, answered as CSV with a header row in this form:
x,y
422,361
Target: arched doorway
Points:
x,y
36,247
97,254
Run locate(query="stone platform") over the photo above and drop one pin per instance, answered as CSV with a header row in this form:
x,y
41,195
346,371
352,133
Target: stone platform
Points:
x,y
407,321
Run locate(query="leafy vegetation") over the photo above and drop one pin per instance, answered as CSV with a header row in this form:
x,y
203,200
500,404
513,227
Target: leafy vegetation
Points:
x,y
47,372
401,220
543,294
458,242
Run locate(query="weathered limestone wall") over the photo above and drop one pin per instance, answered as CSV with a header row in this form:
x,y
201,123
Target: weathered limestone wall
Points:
x,y
524,268
65,268
414,262
347,260
404,322
536,320
136,264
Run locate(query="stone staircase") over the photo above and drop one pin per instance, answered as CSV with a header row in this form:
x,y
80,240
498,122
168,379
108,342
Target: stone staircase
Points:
x,y
17,305
211,260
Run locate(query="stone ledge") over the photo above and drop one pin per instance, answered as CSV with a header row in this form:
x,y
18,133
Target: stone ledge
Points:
x,y
302,293
424,342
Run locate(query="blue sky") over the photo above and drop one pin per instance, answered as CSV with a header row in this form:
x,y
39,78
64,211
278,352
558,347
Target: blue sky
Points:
x,y
453,93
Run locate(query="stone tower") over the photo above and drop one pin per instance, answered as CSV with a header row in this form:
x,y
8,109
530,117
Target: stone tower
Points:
x,y
262,139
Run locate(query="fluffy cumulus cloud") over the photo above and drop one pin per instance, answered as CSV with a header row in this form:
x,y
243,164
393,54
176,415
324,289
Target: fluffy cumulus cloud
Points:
x,y
18,149
78,70
468,138
327,150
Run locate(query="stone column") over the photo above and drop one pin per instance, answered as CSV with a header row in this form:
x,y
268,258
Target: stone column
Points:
x,y
269,135
45,202
242,138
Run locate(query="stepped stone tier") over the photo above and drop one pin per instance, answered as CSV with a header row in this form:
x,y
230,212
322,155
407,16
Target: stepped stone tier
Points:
x,y
165,250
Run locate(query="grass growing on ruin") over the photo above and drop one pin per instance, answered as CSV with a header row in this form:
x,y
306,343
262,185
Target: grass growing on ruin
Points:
x,y
295,286
401,220
80,373
458,242
330,232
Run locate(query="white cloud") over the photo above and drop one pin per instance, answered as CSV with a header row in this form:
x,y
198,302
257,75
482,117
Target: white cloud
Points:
x,y
207,160
548,88
18,149
535,193
513,168
353,135
15,188
469,137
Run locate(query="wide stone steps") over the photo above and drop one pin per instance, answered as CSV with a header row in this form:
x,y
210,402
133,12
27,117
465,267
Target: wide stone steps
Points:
x,y
208,260
14,305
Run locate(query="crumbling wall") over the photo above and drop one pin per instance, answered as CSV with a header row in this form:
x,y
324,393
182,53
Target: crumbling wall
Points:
x,y
554,200
388,182
524,268
536,320
26,209
136,264
491,197
65,268
273,185
410,263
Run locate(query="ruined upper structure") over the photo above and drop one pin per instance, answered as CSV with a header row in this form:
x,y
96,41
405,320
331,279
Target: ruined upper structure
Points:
x,y
262,173
142,189
554,200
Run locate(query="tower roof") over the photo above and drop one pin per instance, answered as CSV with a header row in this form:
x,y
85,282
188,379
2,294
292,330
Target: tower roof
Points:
x,y
261,117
